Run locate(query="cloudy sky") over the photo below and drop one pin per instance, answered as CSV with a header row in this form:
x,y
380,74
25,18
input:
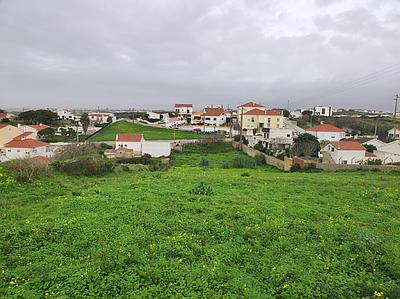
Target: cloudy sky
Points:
x,y
154,53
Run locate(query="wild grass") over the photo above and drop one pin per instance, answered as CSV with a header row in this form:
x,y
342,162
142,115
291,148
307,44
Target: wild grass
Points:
x,y
149,132
148,234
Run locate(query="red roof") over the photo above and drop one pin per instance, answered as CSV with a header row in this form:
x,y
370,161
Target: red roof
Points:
x,y
23,136
130,137
3,114
39,127
27,143
213,111
325,128
263,112
368,154
183,105
250,105
3,126
348,146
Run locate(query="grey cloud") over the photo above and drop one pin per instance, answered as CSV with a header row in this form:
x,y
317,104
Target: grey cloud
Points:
x,y
151,54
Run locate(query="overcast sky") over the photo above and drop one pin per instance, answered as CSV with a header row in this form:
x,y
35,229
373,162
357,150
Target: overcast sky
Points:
x,y
154,53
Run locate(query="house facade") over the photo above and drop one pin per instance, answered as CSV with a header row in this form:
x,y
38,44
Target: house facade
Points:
x,y
8,133
138,146
26,148
101,117
214,116
389,152
391,133
65,114
348,152
259,119
33,128
246,107
327,132
273,138
323,111
184,110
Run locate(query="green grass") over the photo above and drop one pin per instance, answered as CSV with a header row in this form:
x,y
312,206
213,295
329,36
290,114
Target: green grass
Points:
x,y
145,234
150,133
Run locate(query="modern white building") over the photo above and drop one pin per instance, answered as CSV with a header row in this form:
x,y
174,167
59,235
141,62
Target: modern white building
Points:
x,y
296,114
65,114
139,147
348,152
164,117
214,116
327,132
323,111
184,110
273,138
101,117
391,133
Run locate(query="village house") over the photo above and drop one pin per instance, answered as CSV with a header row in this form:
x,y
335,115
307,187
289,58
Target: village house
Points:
x,y
156,116
101,117
25,148
272,138
388,152
326,111
184,110
391,133
214,116
247,107
8,133
327,132
33,128
65,115
135,145
348,152
257,119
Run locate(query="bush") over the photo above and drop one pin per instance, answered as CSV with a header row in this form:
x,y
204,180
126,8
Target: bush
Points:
x,y
374,162
25,170
259,159
237,139
245,174
243,162
84,166
204,162
144,160
76,150
259,147
202,189
295,167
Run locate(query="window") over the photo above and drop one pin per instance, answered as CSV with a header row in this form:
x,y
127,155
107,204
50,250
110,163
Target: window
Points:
x,y
332,149
215,118
344,162
287,135
252,119
323,111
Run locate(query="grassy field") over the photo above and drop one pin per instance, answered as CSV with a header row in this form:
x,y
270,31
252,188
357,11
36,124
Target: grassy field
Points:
x,y
150,133
260,234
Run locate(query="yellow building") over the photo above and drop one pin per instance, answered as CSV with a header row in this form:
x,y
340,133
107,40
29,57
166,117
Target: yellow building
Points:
x,y
8,133
259,119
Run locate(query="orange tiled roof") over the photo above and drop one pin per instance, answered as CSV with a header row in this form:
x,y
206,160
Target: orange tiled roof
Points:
x,y
130,137
213,111
251,104
263,112
348,146
27,143
183,105
325,128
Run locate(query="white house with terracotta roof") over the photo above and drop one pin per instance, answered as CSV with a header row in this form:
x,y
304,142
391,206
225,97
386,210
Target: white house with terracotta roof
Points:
x,y
184,110
135,143
8,133
26,148
327,132
348,152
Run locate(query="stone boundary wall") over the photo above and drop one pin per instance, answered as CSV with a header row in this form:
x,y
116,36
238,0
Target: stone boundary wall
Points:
x,y
269,160
336,167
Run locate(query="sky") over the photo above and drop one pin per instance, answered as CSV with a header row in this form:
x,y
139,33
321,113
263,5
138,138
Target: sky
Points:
x,y
151,54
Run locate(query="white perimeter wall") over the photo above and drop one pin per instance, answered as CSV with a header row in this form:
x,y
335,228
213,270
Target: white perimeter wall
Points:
x,y
156,148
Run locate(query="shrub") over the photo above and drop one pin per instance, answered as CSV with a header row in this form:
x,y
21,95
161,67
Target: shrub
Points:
x,y
25,170
204,162
84,166
259,147
144,160
295,167
125,168
374,162
243,162
237,139
245,174
75,150
201,189
259,159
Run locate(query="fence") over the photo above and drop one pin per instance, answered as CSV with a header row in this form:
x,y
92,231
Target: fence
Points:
x,y
284,165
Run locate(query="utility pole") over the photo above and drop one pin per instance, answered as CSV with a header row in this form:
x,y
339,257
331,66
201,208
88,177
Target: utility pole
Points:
x,y
376,127
241,129
396,97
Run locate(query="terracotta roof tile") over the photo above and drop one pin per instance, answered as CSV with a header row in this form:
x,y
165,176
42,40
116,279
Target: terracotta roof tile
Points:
x,y
130,137
39,127
348,146
27,143
183,105
23,136
213,111
325,128
263,112
250,104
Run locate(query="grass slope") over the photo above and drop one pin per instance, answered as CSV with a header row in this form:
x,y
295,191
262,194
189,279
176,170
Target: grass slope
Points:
x,y
150,133
270,234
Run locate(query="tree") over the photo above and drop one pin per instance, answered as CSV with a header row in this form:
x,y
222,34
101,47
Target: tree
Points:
x,y
306,145
286,113
109,119
46,132
85,121
71,132
370,147
309,113
38,116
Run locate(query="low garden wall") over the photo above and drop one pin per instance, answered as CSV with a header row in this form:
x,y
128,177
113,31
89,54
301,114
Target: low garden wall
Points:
x,y
336,167
284,165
